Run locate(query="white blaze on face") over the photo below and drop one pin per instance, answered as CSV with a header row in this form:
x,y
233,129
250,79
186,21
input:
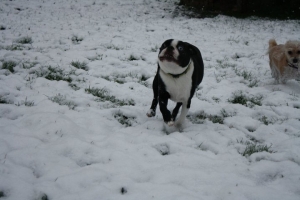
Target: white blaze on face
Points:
x,y
171,67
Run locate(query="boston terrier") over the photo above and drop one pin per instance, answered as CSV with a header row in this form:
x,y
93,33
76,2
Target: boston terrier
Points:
x,y
180,70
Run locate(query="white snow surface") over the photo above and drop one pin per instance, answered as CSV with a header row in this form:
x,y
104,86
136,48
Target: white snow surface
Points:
x,y
59,141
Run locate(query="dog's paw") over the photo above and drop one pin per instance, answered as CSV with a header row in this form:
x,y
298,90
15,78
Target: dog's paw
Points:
x,y
151,113
170,123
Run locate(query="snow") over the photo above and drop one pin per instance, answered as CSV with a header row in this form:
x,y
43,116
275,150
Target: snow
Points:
x,y
58,141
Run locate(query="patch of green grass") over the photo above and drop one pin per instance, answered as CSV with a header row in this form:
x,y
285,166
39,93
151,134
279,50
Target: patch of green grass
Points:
x,y
103,95
80,65
248,76
266,121
24,40
53,74
124,78
123,119
225,64
9,65
253,147
62,100
240,98
2,194
202,116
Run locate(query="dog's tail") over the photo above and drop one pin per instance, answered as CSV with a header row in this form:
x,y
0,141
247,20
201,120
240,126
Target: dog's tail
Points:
x,y
272,43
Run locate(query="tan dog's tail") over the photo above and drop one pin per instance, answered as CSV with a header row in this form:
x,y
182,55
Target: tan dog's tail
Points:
x,y
272,43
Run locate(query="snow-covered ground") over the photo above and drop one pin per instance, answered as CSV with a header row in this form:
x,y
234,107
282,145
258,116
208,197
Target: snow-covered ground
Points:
x,y
68,133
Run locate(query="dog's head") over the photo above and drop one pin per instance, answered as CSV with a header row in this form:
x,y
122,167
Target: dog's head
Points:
x,y
175,56
292,52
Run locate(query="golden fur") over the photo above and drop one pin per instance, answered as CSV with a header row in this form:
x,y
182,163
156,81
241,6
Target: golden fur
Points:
x,y
284,60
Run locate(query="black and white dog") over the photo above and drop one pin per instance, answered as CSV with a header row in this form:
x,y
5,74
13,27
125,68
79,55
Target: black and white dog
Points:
x,y
180,70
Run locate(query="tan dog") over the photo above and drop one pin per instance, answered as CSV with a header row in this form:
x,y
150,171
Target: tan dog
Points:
x,y
284,60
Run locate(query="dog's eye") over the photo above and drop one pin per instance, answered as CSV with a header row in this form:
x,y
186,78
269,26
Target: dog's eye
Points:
x,y
290,52
180,48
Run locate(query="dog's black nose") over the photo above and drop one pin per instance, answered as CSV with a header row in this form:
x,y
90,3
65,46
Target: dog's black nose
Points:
x,y
295,60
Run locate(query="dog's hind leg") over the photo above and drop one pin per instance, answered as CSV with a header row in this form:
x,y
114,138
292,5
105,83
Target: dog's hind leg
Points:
x,y
152,111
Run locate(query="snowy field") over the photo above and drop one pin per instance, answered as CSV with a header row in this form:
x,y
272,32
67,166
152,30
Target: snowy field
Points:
x,y
75,86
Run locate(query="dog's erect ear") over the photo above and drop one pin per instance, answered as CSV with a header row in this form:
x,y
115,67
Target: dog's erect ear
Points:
x,y
192,49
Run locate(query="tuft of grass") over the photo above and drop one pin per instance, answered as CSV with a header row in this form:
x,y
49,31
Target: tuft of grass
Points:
x,y
2,28
9,65
24,40
57,74
253,147
44,197
114,47
163,149
103,95
4,101
123,190
123,78
62,100
2,194
202,116
16,47
132,58
266,121
26,103
240,98
225,64
123,119
76,39
28,65
253,81
80,65
74,86
154,49
53,74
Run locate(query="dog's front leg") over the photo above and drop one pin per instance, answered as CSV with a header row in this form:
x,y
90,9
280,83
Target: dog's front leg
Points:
x,y
152,111
184,110
175,110
163,104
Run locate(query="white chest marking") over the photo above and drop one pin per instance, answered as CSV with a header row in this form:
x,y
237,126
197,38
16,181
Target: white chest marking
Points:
x,y
179,88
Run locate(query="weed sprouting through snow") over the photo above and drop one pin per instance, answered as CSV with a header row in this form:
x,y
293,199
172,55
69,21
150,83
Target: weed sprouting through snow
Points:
x,y
200,117
103,95
253,147
26,103
129,77
76,39
9,65
240,98
24,40
80,65
62,100
123,119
